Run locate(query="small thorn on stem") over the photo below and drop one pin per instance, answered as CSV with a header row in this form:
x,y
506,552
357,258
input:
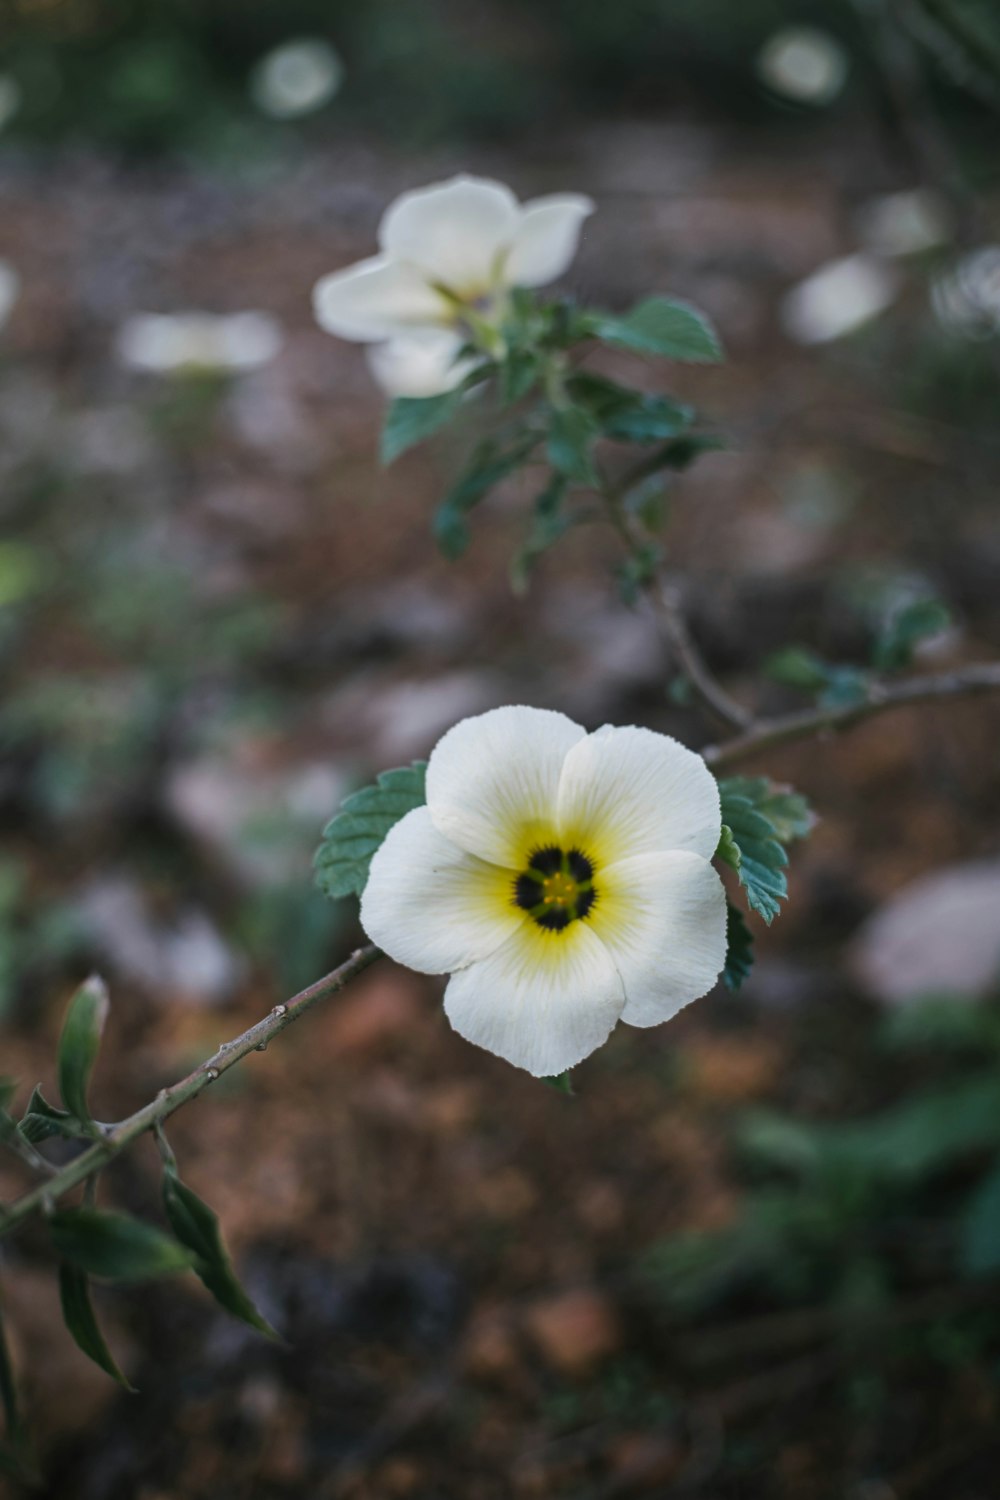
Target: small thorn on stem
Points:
x,y
280,1010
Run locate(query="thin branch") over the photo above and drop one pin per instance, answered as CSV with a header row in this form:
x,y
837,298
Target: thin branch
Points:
x,y
116,1137
765,734
668,604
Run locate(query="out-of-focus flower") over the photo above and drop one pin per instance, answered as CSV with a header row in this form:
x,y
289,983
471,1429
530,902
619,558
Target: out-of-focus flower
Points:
x,y
803,64
562,879
838,299
171,342
448,255
906,223
296,79
420,364
966,298
10,98
10,286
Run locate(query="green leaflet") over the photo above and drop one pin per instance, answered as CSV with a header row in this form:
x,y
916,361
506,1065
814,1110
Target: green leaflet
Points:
x,y
739,948
79,1045
197,1227
759,818
662,326
351,838
81,1320
115,1246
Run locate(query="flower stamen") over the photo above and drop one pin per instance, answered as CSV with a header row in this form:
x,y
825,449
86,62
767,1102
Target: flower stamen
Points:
x,y
557,887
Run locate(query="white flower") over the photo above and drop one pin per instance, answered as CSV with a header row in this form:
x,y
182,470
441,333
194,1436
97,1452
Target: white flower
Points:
x,y
421,364
171,342
839,298
561,878
804,64
447,255
296,78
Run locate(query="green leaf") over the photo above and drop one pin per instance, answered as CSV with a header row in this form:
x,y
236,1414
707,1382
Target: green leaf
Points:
x,y
518,373
561,1082
905,629
351,838
979,1228
489,464
549,524
115,1246
572,431
79,1044
789,812
626,415
411,419
42,1120
662,326
728,851
762,858
739,949
835,684
197,1227
80,1319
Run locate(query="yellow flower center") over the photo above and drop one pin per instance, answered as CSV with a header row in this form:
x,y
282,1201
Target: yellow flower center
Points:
x,y
556,888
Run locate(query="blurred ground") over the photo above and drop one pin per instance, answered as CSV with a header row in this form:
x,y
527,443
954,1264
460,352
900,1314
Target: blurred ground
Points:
x,y
226,617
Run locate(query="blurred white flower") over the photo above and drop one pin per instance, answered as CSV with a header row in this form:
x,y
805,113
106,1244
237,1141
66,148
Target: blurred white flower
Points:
x,y
420,364
966,298
562,879
296,79
448,255
803,64
10,98
171,342
906,223
10,286
838,299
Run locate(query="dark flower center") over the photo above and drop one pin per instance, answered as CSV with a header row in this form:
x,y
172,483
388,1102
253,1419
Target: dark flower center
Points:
x,y
557,888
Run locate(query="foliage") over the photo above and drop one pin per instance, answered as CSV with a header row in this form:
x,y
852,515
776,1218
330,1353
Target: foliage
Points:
x,y
351,838
758,819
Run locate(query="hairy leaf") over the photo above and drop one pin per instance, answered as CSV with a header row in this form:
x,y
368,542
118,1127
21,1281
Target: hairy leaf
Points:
x,y
663,326
115,1246
762,859
197,1227
351,838
79,1044
81,1320
739,949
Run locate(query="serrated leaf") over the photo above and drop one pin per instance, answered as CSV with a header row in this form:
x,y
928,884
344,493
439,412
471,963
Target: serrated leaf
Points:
x,y
411,419
788,812
739,949
351,838
762,857
81,1320
79,1044
572,432
979,1228
728,850
42,1120
197,1227
115,1246
663,326
626,415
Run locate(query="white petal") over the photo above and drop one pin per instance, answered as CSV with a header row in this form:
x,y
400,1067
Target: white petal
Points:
x,y
431,906
420,364
543,1001
662,917
546,239
377,299
632,791
493,780
456,232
